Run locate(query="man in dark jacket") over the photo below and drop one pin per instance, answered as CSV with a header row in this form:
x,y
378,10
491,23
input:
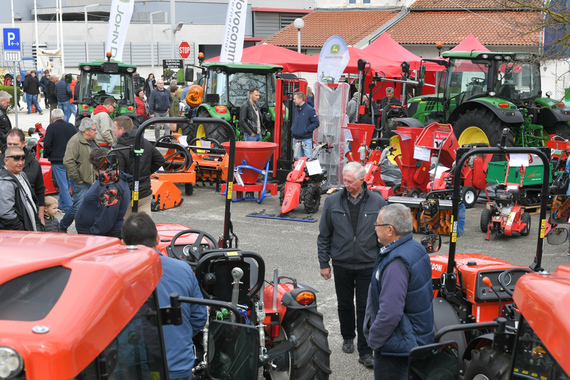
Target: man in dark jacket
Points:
x,y
64,95
399,313
51,97
5,124
18,209
32,168
159,103
250,117
32,90
57,135
43,85
346,235
305,121
150,161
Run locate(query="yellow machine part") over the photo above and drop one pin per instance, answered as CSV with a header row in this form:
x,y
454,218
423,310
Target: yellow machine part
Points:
x,y
472,135
428,222
394,142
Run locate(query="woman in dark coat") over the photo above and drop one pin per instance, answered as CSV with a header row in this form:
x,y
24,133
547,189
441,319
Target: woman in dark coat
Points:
x,y
149,85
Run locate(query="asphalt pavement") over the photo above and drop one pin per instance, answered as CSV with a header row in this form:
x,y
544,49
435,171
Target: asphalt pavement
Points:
x,y
290,246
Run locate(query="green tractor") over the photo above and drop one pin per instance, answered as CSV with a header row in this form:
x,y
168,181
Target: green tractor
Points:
x,y
102,79
226,88
480,93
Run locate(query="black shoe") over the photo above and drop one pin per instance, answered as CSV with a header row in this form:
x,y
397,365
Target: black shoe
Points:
x,y
348,346
367,360
64,230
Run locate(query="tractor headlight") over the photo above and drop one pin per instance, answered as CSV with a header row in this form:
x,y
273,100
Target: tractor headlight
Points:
x,y
11,363
86,68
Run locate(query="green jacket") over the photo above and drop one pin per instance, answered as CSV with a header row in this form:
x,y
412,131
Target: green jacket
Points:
x,y
175,108
76,159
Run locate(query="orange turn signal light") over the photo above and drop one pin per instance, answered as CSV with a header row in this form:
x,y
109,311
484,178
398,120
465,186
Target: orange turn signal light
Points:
x,y
305,298
221,109
503,105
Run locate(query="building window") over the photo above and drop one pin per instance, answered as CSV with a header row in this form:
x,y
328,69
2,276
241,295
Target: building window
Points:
x,y
366,1
352,1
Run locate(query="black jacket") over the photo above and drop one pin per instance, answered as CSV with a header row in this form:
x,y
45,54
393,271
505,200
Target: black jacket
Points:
x,y
50,93
34,174
5,126
57,135
248,118
31,85
21,220
44,82
63,91
150,162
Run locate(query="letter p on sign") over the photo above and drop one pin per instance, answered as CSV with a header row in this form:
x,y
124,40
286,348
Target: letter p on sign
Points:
x,y
184,50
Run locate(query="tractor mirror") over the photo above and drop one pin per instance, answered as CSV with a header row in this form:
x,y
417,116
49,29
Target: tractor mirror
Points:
x,y
557,236
422,72
189,74
432,243
439,361
233,350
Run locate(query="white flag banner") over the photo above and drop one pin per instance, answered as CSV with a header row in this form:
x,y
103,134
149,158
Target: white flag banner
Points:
x,y
333,60
119,20
232,46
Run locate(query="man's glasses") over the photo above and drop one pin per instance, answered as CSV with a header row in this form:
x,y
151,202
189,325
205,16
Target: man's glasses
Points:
x,y
381,225
17,157
92,129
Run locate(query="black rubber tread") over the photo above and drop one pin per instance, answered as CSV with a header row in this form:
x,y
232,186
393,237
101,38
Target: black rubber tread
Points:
x,y
281,195
466,190
560,128
525,218
213,131
414,193
312,198
188,189
489,363
485,120
311,357
485,219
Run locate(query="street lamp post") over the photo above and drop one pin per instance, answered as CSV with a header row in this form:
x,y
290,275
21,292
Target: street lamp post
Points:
x,y
152,40
87,30
299,23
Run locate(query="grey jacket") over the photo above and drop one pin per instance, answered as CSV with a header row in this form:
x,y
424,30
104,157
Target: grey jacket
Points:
x,y
337,239
351,111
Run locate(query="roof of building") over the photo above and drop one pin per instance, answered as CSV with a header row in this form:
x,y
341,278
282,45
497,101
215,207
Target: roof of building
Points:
x,y
352,25
490,28
419,5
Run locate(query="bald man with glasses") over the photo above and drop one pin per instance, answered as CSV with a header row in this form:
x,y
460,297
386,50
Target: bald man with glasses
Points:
x,y
18,206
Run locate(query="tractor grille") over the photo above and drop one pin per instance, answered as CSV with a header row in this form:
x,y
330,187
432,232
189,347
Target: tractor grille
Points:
x,y
430,106
32,296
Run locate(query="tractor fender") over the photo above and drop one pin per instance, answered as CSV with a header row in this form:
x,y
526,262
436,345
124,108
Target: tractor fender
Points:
x,y
212,111
444,315
292,197
508,116
480,341
289,301
409,122
549,117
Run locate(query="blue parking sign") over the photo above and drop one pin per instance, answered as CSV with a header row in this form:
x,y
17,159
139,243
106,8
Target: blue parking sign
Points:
x,y
12,39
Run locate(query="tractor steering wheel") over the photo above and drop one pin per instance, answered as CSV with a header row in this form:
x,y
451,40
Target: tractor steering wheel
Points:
x,y
506,273
191,253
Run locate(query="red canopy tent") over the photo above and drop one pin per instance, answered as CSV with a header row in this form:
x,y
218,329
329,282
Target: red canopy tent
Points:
x,y
275,55
470,43
385,46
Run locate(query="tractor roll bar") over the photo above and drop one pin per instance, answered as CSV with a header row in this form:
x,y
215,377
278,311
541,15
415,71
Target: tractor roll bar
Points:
x,y
462,155
226,240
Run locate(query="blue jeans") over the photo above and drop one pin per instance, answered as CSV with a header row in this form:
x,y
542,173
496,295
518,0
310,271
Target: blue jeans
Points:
x,y
60,175
256,137
392,367
33,99
306,147
66,107
79,190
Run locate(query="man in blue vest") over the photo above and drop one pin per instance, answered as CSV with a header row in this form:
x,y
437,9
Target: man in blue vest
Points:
x,y
399,314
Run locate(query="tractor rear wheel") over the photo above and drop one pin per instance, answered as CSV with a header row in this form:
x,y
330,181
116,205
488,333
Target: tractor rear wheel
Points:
x,y
469,196
487,364
312,198
485,219
480,125
310,359
525,218
561,129
213,131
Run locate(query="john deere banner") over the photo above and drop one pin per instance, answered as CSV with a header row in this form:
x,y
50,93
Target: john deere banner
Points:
x,y
119,19
333,60
232,46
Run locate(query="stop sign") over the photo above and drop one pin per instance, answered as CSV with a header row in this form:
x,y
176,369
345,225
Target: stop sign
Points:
x,y
184,49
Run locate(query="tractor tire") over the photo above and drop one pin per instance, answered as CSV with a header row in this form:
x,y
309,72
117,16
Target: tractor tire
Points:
x,y
212,131
310,359
485,219
487,364
281,195
560,128
525,218
312,198
483,125
188,189
414,193
469,196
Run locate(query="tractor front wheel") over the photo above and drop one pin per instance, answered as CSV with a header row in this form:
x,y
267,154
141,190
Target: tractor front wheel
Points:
x,y
310,358
485,220
487,364
525,218
480,125
213,131
312,198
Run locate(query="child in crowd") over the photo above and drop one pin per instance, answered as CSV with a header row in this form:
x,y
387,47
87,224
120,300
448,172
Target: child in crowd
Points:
x,y
51,222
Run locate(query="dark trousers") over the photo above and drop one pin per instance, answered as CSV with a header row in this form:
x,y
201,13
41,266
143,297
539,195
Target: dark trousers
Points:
x,y
345,282
390,367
